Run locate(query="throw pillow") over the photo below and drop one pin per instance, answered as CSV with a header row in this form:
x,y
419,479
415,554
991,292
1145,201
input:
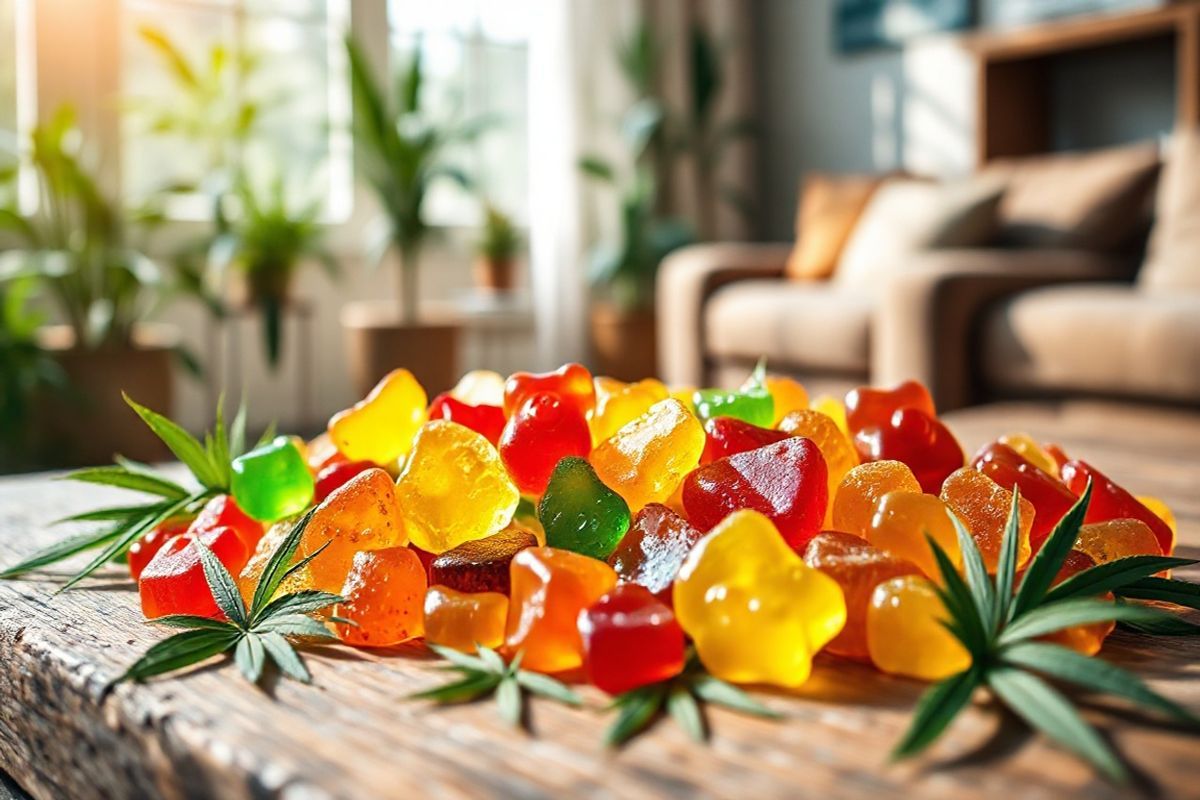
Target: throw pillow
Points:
x,y
829,208
1173,261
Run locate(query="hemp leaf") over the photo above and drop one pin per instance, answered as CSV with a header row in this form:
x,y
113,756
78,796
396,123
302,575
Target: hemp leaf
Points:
x,y
210,464
486,673
254,634
999,622
681,697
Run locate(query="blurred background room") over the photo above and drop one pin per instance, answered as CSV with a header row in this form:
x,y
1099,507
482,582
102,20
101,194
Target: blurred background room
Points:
x,y
281,200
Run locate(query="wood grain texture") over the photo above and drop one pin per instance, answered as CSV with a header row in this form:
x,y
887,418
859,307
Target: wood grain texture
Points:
x,y
354,735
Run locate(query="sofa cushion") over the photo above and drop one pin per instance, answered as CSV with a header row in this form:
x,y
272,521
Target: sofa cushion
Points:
x,y
1098,338
906,216
1098,200
1173,261
803,326
829,208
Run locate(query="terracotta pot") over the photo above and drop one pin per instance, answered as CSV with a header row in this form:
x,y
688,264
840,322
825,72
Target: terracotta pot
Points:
x,y
495,274
379,342
91,423
624,342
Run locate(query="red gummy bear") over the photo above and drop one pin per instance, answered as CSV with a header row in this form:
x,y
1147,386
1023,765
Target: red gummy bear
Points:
x,y
544,430
1110,501
727,436
920,441
1050,497
143,550
222,512
571,382
173,582
630,639
488,421
652,551
335,476
787,481
867,407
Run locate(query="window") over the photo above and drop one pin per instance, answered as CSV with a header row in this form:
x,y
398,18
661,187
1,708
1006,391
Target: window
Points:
x,y
17,109
283,57
475,59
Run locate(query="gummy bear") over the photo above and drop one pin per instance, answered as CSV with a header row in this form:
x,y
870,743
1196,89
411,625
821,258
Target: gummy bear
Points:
x,y
142,551
384,595
461,621
901,521
580,513
543,431
1161,510
487,421
755,611
858,568
1117,538
549,589
247,580
789,395
630,639
1086,639
1027,448
321,452
839,453
787,481
833,408
917,439
1110,501
454,488
858,494
1050,497
983,505
174,583
481,565
335,476
380,428
222,512
905,634
754,405
272,482
480,387
867,407
619,403
648,458
360,515
571,382
727,436
653,550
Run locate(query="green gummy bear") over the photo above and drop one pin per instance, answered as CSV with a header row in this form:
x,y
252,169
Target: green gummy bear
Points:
x,y
272,482
752,404
581,514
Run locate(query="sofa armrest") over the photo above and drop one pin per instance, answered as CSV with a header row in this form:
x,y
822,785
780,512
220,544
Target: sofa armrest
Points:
x,y
928,315
686,279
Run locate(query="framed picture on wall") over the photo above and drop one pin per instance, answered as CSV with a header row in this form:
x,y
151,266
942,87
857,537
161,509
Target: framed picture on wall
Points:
x,y
866,24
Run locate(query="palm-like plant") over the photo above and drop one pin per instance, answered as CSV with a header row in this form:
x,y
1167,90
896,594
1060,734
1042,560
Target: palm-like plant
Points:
x,y
402,151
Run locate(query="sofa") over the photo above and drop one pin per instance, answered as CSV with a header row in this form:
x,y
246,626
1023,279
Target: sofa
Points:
x,y
1051,302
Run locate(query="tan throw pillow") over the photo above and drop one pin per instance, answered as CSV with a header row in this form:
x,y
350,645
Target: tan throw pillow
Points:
x,y
1174,258
907,216
1094,201
829,207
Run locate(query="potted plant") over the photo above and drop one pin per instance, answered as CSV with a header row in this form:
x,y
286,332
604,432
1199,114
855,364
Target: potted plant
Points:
x,y
496,251
27,372
401,150
77,249
266,239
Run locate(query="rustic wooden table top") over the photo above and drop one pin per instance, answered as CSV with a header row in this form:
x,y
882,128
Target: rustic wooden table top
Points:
x,y
352,733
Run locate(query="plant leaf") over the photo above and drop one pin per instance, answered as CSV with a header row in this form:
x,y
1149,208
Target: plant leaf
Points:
x,y
474,685
276,569
1112,575
285,657
638,708
122,478
250,657
1006,567
61,550
936,709
957,598
461,660
490,657
546,686
1169,625
1050,558
684,709
191,622
113,514
1045,709
237,432
305,601
1051,617
1092,673
719,693
508,699
183,445
295,625
181,650
221,584
978,580
1181,593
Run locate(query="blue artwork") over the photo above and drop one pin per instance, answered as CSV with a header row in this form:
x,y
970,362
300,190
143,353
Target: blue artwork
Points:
x,y
864,24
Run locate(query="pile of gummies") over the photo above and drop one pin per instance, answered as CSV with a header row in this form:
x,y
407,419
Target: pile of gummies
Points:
x,y
587,522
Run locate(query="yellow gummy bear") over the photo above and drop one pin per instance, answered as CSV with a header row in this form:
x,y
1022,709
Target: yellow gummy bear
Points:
x,y
480,387
247,580
380,428
1161,510
756,612
832,408
1028,449
454,488
618,404
646,460
840,455
905,635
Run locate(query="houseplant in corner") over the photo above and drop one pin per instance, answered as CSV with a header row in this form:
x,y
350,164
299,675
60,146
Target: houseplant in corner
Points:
x,y
401,151
496,251
77,249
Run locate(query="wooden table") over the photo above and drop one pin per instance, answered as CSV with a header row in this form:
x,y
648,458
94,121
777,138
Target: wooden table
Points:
x,y
353,734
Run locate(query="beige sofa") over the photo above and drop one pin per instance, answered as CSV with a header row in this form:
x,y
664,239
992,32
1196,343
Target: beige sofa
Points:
x,y
973,324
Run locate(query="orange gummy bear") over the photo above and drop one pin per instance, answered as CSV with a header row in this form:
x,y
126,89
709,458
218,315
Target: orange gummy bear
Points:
x,y
984,505
461,620
1117,538
858,494
384,595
